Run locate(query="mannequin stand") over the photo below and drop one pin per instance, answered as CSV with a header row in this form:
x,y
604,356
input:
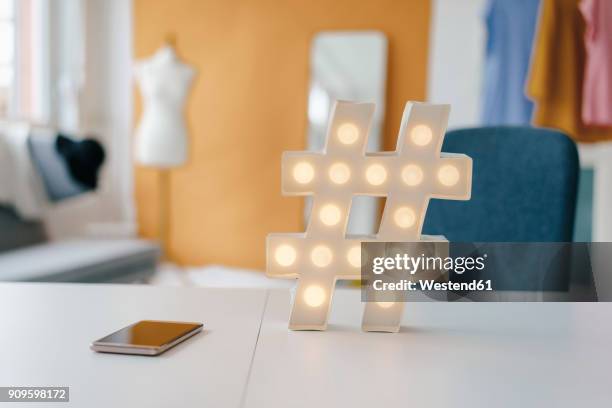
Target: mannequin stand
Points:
x,y
164,212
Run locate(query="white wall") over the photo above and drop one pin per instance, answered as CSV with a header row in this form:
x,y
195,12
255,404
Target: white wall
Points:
x,y
91,92
599,157
107,98
456,58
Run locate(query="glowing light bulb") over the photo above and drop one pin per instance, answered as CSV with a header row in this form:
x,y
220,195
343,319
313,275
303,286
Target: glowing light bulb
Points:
x,y
285,255
329,215
448,175
303,172
314,296
376,174
348,133
321,256
339,173
421,135
385,305
412,175
354,256
404,217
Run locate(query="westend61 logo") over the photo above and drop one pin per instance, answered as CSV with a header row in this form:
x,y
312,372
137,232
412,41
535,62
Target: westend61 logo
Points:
x,y
413,273
481,271
411,264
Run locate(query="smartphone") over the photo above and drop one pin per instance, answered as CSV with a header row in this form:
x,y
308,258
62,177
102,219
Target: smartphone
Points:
x,y
146,337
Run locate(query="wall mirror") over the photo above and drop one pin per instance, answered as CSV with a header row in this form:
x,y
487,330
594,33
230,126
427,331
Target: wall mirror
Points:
x,y
350,66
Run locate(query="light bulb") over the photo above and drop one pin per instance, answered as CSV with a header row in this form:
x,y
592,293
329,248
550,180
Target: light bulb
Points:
x,y
314,296
412,175
329,215
404,217
339,173
354,256
385,305
421,135
448,175
321,256
376,174
303,172
285,255
348,133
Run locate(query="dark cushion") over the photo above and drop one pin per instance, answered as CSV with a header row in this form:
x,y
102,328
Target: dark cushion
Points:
x,y
83,157
16,233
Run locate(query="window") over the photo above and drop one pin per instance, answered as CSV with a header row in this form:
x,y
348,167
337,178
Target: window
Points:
x,y
7,55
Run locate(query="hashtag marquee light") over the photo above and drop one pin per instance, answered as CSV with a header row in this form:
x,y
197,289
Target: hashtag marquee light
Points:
x,y
408,177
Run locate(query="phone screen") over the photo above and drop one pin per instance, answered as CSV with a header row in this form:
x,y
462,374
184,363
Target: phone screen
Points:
x,y
150,333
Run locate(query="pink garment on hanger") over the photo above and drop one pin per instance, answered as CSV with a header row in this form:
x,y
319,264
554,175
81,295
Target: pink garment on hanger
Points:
x,y
597,86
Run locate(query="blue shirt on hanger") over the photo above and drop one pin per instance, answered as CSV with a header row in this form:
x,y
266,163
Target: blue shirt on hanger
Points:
x,y
510,28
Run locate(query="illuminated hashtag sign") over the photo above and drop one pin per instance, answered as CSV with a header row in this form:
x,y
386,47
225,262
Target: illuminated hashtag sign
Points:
x,y
415,172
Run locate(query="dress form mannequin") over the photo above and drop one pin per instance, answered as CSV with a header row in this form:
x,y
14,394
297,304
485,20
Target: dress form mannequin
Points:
x,y
161,137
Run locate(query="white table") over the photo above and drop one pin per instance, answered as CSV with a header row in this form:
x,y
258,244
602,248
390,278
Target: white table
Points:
x,y
464,354
446,355
46,329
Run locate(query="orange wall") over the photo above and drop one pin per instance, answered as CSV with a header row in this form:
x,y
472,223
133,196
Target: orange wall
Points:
x,y
248,105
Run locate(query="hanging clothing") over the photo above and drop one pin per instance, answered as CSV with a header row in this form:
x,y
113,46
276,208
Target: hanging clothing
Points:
x,y
597,88
510,29
556,72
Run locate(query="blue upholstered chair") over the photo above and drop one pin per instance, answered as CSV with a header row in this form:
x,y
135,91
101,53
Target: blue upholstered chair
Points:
x,y
523,190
